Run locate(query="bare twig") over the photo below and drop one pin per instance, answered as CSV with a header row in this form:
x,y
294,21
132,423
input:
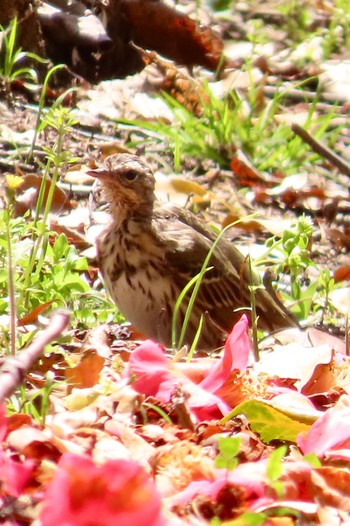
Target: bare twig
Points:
x,y
12,371
304,95
322,150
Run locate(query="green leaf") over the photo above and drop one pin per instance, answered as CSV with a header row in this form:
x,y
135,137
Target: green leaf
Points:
x,y
73,282
313,460
274,466
229,449
270,423
60,247
224,463
81,263
229,446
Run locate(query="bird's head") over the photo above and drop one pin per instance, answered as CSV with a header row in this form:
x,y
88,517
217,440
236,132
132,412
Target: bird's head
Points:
x,y
128,183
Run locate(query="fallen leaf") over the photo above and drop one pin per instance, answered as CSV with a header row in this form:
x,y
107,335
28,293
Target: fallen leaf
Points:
x,y
32,316
270,423
28,192
86,373
342,273
332,487
157,26
178,84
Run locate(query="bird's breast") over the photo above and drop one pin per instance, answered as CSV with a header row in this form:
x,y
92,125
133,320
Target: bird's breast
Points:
x,y
137,280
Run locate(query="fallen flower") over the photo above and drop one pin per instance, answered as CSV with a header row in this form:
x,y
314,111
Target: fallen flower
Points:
x,y
330,432
236,353
118,492
153,374
14,475
150,371
3,422
250,476
250,488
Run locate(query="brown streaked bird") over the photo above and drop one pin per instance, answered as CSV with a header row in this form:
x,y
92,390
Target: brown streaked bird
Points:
x,y
151,250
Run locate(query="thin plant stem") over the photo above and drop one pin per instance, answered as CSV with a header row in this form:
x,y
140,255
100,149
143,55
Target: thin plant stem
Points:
x,y
195,340
11,284
195,283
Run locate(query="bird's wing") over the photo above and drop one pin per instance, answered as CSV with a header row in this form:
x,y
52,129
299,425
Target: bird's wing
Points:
x,y
187,242
226,286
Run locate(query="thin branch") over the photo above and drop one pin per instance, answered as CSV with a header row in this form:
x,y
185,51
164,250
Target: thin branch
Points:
x,y
13,369
322,150
304,95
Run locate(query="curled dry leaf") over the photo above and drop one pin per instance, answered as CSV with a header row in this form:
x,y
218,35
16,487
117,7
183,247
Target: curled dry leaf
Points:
x,y
187,187
32,316
138,447
331,485
157,26
340,298
338,238
72,235
342,273
33,443
184,89
28,192
246,174
177,465
86,372
275,227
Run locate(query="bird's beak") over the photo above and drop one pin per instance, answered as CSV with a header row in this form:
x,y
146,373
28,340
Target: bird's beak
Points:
x,y
98,173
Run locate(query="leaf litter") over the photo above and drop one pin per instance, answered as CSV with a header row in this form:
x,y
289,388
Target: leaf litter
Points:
x,y
132,432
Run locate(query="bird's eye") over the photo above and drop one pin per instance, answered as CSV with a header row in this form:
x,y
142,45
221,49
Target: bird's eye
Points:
x,y
131,175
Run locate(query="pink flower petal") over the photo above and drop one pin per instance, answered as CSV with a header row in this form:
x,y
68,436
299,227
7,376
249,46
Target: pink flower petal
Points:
x,y
14,475
330,431
251,476
3,422
150,371
118,492
236,353
153,374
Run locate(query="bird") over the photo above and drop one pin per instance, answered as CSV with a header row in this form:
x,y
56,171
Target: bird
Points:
x,y
150,251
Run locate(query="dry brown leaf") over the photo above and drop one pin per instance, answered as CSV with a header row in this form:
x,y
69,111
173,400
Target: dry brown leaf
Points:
x,y
322,380
77,175
32,316
73,236
86,373
276,227
32,443
332,487
187,187
342,273
246,173
110,148
179,85
339,238
340,298
66,423
157,26
299,362
27,195
176,465
137,446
